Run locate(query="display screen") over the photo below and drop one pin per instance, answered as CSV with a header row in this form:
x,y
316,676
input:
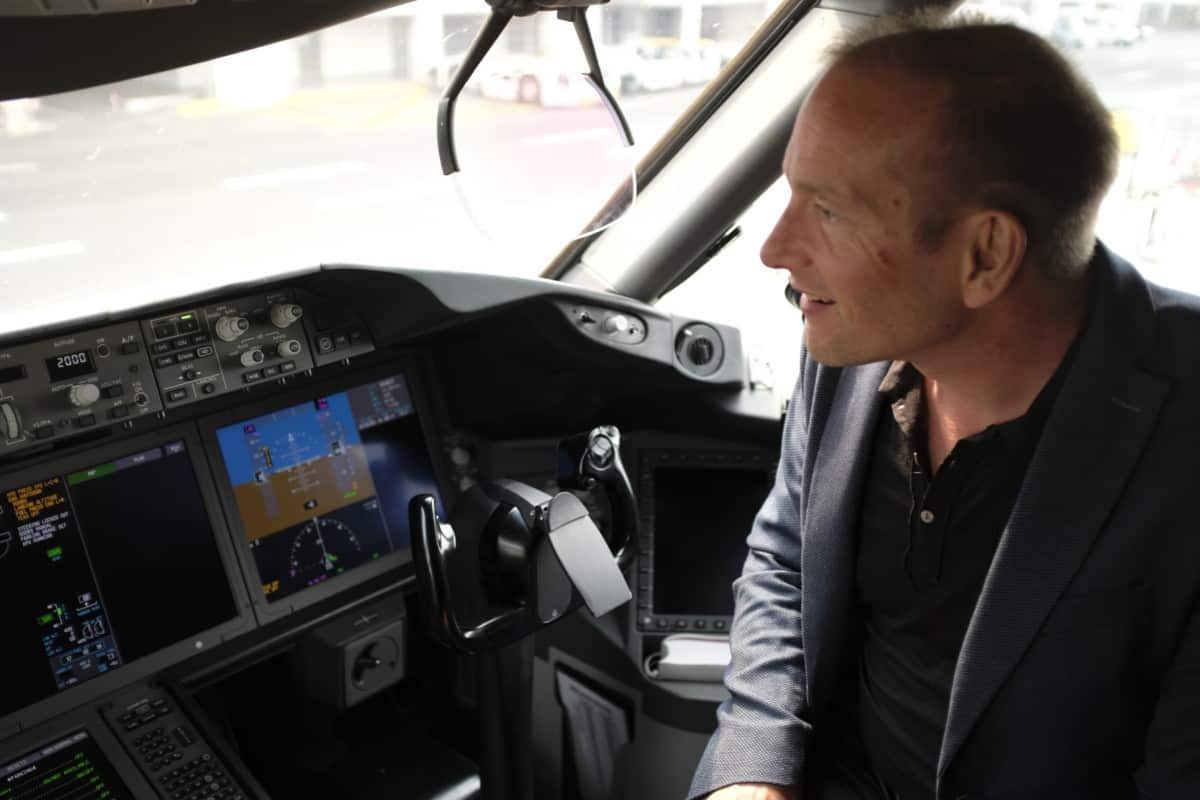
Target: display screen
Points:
x,y
701,520
72,768
70,365
323,487
102,566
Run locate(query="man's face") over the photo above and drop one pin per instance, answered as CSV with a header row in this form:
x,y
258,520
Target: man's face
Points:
x,y
848,237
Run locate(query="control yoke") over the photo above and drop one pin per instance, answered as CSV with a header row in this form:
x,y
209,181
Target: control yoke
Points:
x,y
514,559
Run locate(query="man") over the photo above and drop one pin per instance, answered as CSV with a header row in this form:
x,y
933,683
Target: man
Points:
x,y
978,572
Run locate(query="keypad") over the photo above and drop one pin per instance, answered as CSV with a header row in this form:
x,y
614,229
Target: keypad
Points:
x,y
200,778
172,754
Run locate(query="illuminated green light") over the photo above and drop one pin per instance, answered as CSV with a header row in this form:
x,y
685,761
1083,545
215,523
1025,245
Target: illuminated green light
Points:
x,y
76,478
185,316
54,552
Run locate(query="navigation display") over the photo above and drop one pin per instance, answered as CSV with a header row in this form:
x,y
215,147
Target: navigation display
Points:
x,y
323,487
72,768
104,565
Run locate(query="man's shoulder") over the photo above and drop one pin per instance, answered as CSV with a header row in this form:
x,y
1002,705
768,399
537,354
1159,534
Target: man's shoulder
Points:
x,y
1176,344
1161,325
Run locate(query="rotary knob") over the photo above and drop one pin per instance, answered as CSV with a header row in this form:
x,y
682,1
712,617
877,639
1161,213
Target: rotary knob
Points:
x,y
284,314
702,351
83,395
616,324
288,349
229,328
10,422
252,358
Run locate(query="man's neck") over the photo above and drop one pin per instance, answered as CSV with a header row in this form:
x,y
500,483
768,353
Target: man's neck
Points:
x,y
995,371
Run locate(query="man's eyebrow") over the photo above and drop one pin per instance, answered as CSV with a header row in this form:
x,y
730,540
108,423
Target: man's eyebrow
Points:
x,y
833,193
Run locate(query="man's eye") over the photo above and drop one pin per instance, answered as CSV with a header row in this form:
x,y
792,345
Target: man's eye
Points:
x,y
825,212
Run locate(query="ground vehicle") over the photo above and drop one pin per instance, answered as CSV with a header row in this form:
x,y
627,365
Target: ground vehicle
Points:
x,y
535,80
500,370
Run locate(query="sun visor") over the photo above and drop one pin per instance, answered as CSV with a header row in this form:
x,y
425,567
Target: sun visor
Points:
x,y
49,46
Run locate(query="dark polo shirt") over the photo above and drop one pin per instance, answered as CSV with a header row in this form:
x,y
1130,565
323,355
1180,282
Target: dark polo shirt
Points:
x,y
925,544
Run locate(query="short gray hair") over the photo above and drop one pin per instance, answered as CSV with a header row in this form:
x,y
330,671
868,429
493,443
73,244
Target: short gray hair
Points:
x,y
1021,130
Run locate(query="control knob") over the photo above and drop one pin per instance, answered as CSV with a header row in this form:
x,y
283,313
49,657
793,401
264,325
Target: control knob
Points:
x,y
252,358
288,349
616,324
284,314
83,395
702,350
229,328
10,421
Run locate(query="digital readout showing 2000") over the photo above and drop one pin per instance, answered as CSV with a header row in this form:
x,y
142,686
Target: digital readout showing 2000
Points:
x,y
70,365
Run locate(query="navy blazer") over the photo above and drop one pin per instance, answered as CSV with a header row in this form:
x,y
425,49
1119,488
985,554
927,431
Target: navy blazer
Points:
x,y
1079,676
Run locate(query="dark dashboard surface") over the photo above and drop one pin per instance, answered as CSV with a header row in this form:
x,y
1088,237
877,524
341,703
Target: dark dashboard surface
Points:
x,y
187,486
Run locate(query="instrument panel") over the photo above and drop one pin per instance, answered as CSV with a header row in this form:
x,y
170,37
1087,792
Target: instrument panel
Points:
x,y
172,482
191,489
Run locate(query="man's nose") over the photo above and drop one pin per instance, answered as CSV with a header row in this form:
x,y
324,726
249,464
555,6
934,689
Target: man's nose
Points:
x,y
782,248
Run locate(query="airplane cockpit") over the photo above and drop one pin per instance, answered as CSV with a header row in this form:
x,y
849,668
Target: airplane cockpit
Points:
x,y
328,473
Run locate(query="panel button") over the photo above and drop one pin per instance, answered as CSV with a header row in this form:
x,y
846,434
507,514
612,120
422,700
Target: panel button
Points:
x,y
700,624
164,361
119,412
270,372
252,376
661,623
287,366
86,421
204,352
175,395
191,374
115,390
43,432
681,624
182,343
341,340
719,625
160,347
188,325
201,338
324,344
164,330
129,348
208,388
184,356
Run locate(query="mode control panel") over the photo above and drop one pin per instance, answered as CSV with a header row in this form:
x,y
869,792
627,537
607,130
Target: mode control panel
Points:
x,y
206,351
69,384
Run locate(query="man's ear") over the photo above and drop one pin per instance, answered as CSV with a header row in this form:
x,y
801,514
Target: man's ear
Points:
x,y
995,247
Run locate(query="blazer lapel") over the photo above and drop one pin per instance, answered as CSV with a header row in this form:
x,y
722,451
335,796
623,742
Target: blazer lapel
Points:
x,y
843,447
1101,421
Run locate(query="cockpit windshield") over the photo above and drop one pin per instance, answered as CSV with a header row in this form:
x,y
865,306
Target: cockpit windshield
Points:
x,y
322,149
